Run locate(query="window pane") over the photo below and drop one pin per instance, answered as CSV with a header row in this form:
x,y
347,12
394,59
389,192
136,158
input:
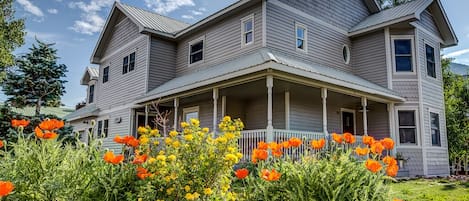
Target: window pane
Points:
x,y
403,63
406,118
435,120
248,26
436,137
125,65
403,46
407,135
345,54
100,128
196,57
91,97
132,62
106,74
430,53
191,115
431,69
197,46
248,37
299,44
106,126
300,33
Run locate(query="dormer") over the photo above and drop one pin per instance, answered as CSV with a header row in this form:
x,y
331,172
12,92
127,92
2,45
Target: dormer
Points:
x,y
89,79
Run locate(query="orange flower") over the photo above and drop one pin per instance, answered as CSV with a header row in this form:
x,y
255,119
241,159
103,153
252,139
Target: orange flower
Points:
x,y
337,138
388,160
373,166
368,140
133,142
270,175
1,143
259,154
109,157
286,145
142,173
17,123
318,144
377,148
119,140
349,138
392,170
262,145
294,142
5,188
127,140
139,159
242,173
275,147
277,153
395,199
362,151
388,143
51,124
42,135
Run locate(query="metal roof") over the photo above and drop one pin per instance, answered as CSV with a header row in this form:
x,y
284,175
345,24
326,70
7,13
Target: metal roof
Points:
x,y
87,111
91,73
254,62
31,111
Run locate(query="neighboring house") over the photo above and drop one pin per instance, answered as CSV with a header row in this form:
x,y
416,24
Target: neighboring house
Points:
x,y
286,68
459,69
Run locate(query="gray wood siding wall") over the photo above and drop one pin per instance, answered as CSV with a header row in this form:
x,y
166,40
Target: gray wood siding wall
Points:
x,y
323,43
306,111
205,112
407,89
222,42
415,162
369,57
378,121
162,65
124,32
115,128
437,162
427,22
256,113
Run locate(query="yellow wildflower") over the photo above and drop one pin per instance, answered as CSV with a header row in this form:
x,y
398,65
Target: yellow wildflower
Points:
x,y
169,191
144,140
231,149
184,124
227,118
188,137
196,195
195,122
232,128
232,158
167,179
239,155
189,196
229,136
187,188
173,133
154,132
156,142
222,140
176,144
151,160
161,158
208,191
168,140
142,130
172,157
174,176
205,130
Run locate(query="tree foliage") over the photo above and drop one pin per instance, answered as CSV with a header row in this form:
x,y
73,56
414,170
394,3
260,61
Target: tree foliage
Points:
x,y
37,79
385,4
11,35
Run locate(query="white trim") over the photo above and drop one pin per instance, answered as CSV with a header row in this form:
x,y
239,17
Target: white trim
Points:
x,y
365,115
324,110
348,53
146,117
387,44
264,23
418,143
391,118
354,119
223,106
270,128
131,121
435,111
420,91
374,27
122,48
405,80
175,106
287,110
243,31
197,40
148,64
215,109
305,37
426,62
187,110
413,54
117,108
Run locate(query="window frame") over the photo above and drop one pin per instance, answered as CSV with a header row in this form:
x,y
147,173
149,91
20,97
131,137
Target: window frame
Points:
x,y
105,75
125,65
417,126
132,62
244,32
188,110
430,112
99,130
349,54
393,53
105,129
434,61
305,37
354,119
195,41
91,93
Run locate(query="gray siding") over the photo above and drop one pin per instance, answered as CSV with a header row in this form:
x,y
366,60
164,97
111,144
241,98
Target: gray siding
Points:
x,y
306,111
222,42
369,58
80,126
324,44
407,89
256,113
427,22
115,128
415,163
124,32
378,121
438,162
162,62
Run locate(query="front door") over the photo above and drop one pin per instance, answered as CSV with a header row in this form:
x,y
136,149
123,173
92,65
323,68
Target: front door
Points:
x,y
348,122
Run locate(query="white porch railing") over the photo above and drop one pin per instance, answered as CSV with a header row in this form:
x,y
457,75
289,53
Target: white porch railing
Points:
x,y
306,137
249,140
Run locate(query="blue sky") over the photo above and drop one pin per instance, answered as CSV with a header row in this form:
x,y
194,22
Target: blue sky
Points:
x,y
74,25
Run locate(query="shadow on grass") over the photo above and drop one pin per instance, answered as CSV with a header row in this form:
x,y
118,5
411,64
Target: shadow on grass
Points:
x,y
449,187
465,185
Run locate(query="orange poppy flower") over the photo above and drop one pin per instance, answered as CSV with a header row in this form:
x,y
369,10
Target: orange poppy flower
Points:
x,y
259,154
392,170
373,166
142,173
349,138
286,145
17,123
388,143
318,144
51,124
270,175
42,135
294,142
395,199
5,188
262,145
119,140
337,138
1,143
139,159
127,140
377,148
368,140
275,147
362,151
242,173
277,153
109,157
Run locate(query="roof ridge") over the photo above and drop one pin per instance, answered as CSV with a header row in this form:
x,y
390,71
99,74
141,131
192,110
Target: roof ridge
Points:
x,y
154,13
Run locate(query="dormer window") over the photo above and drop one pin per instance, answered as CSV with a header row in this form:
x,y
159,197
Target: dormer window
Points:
x,y
403,54
247,30
301,37
196,49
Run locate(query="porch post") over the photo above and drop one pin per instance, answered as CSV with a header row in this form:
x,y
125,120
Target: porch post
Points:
x,y
392,133
365,118
146,115
287,110
324,110
223,106
270,128
176,105
215,107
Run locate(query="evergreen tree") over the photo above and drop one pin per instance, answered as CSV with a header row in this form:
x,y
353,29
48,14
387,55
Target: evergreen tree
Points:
x,y
36,79
11,35
385,4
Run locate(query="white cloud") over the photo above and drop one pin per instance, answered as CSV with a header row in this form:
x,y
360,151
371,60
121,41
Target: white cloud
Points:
x,y
31,8
456,53
53,11
202,9
195,12
187,16
43,36
91,22
167,6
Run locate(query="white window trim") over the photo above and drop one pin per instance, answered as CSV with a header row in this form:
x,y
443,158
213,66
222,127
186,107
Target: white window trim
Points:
x,y
187,110
417,126
430,111
202,38
434,56
243,31
349,54
305,43
414,63
354,119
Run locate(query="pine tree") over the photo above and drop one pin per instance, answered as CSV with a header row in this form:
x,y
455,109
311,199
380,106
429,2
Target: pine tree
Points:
x,y
11,35
36,79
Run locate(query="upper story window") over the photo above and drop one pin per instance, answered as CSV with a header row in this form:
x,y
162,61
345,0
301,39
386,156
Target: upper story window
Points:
x,y
196,51
346,54
301,37
91,94
106,74
407,127
403,58
247,30
100,128
132,61
430,55
128,63
435,128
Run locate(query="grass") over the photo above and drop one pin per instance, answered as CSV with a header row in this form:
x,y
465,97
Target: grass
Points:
x,y
434,190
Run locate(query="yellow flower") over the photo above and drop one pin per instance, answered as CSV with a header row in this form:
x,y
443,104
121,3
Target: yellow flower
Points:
x,y
231,149
173,133
195,122
168,140
184,124
196,195
151,160
172,157
144,140
142,130
229,136
154,132
232,128
187,188
239,155
161,152
189,196
156,142
167,179
161,158
169,191
176,144
208,191
231,157
188,137
205,130
174,176
222,140
226,118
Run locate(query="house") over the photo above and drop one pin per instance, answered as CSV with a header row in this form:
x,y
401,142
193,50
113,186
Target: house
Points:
x,y
286,68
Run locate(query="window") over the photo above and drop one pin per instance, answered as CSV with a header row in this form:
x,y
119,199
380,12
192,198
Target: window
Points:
x,y
91,94
125,65
301,37
132,62
435,126
407,127
100,128
430,55
190,113
247,30
105,128
106,74
196,51
403,60
346,54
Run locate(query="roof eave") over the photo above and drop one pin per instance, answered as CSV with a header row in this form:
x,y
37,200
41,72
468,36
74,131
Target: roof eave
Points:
x,y
382,25
453,40
94,59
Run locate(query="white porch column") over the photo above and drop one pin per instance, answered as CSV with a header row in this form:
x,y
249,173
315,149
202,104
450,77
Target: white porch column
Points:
x,y
215,107
287,110
223,106
270,128
365,117
146,115
392,132
176,105
324,110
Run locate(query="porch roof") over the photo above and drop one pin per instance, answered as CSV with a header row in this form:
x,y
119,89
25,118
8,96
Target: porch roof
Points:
x,y
265,59
87,111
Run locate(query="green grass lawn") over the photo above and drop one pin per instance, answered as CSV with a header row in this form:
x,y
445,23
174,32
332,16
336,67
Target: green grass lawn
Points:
x,y
435,190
